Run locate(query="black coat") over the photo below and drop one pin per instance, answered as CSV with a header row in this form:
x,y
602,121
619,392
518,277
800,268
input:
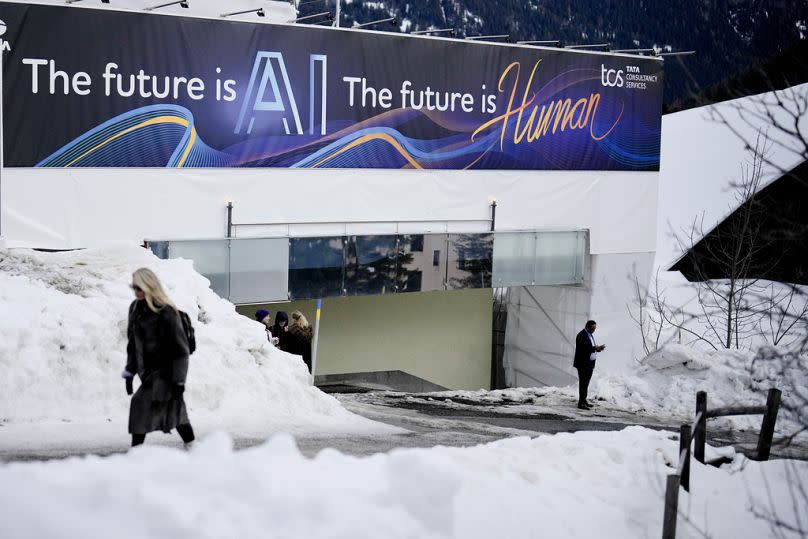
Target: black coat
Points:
x,y
583,351
298,342
157,352
277,330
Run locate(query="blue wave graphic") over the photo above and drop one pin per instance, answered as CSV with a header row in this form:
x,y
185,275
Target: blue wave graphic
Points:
x,y
165,136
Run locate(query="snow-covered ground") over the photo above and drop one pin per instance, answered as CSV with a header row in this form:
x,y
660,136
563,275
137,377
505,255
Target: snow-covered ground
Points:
x,y
63,342
518,487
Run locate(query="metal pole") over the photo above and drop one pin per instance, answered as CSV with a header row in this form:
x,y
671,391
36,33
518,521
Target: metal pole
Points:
x,y
680,53
593,46
540,42
229,219
336,16
493,215
316,338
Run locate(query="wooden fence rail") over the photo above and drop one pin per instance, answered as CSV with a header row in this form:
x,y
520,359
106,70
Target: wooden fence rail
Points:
x,y
697,433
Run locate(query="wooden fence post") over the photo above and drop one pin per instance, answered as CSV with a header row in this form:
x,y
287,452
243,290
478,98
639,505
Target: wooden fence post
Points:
x,y
764,446
671,507
684,443
700,436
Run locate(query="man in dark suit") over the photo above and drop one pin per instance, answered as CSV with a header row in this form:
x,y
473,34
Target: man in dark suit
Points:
x,y
586,353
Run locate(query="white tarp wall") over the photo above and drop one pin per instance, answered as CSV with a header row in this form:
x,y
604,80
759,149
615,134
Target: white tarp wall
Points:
x,y
72,208
59,208
544,320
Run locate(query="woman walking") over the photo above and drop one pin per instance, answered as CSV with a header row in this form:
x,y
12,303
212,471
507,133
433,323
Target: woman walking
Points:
x,y
298,338
158,353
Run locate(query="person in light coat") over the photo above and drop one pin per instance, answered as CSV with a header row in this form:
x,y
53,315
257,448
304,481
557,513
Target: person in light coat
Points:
x,y
157,352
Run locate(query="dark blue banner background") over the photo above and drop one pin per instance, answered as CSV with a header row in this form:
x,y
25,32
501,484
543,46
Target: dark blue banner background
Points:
x,y
97,88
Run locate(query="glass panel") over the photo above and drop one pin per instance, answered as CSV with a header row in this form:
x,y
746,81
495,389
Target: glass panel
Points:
x,y
433,276
159,248
411,263
580,248
211,259
514,258
259,270
316,267
470,260
370,265
559,258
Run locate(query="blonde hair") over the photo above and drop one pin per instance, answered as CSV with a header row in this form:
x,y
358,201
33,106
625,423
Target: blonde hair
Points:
x,y
156,297
299,320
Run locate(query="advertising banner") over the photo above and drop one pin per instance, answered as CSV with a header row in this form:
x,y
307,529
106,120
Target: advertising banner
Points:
x,y
100,88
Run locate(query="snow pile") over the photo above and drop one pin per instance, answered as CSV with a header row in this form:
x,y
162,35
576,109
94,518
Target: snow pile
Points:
x,y
63,345
518,487
662,387
666,382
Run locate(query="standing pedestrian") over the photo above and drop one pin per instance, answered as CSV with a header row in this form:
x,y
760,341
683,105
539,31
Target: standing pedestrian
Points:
x,y
265,317
298,338
158,352
586,353
279,328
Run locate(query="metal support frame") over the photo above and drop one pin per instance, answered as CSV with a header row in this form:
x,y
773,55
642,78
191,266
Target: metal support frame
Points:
x,y
232,227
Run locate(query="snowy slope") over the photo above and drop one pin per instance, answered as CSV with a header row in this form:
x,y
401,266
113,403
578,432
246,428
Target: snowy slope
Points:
x,y
63,342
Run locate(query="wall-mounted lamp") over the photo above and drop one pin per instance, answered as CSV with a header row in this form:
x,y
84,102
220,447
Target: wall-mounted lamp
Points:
x,y
392,20
679,53
450,31
636,51
554,42
593,46
182,3
326,14
259,12
504,37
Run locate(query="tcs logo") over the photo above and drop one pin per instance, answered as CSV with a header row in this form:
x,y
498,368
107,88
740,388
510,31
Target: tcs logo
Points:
x,y
611,77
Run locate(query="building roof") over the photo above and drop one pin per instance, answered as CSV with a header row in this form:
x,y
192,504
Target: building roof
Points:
x,y
780,211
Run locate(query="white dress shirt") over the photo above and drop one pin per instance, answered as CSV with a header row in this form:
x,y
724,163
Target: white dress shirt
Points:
x,y
594,355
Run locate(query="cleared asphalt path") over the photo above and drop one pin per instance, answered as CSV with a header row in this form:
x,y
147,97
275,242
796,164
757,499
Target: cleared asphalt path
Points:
x,y
428,423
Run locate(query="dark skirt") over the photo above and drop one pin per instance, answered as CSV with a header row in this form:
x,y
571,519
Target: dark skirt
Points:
x,y
150,410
